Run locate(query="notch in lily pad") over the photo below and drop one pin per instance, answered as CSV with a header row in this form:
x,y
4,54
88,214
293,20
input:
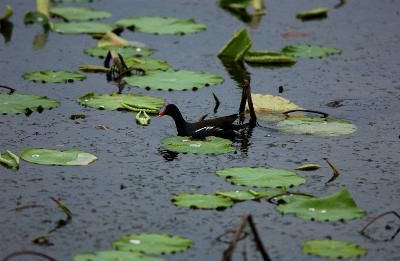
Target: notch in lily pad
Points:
x,y
111,255
236,47
54,76
310,51
333,249
152,243
13,104
209,145
9,160
202,201
56,157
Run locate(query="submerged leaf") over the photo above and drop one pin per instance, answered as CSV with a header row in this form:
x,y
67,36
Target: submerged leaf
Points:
x,y
202,201
240,195
113,255
152,243
55,157
54,76
307,167
174,80
71,13
269,58
20,103
313,14
261,177
333,249
210,145
339,206
82,28
161,25
101,52
9,160
309,51
237,46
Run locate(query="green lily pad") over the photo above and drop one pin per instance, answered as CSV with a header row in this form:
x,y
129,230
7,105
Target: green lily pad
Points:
x,y
147,64
316,126
20,103
333,249
152,243
34,17
115,101
308,167
241,195
81,28
174,80
269,58
261,177
161,25
9,160
71,13
313,14
310,51
101,52
210,145
202,201
237,46
339,206
55,157
113,255
54,76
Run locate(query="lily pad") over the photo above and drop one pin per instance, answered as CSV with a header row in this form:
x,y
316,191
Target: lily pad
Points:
x,y
269,58
55,157
161,25
333,249
174,80
113,255
114,101
9,160
71,13
310,51
313,14
54,76
101,52
20,103
210,145
339,206
82,28
147,64
307,167
202,201
35,17
114,40
261,177
152,243
241,195
316,126
237,46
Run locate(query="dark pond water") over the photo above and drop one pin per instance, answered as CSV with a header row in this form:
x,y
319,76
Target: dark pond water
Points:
x,y
365,77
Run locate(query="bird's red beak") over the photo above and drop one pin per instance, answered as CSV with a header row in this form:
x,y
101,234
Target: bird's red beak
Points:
x,y
163,111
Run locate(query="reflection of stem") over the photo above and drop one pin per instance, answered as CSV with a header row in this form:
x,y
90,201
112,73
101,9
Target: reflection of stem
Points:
x,y
340,4
40,40
324,115
28,252
363,230
11,90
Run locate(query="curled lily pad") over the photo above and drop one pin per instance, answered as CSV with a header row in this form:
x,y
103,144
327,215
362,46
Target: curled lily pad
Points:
x,y
101,52
309,166
339,206
240,195
202,201
310,51
20,103
71,13
115,101
174,80
54,76
316,126
237,46
333,249
152,243
9,159
114,40
161,25
146,64
269,58
210,145
313,14
113,255
55,157
82,28
261,177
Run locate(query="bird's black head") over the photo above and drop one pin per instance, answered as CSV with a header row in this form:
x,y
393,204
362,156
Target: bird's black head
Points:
x,y
169,109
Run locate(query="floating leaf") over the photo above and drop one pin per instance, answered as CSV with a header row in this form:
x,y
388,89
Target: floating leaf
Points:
x,y
54,76
161,25
210,145
310,51
333,249
146,64
313,14
237,46
152,243
339,206
307,167
20,103
240,195
261,177
82,28
114,101
8,12
71,13
202,201
101,52
316,126
9,159
174,80
114,40
269,58
113,255
55,157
